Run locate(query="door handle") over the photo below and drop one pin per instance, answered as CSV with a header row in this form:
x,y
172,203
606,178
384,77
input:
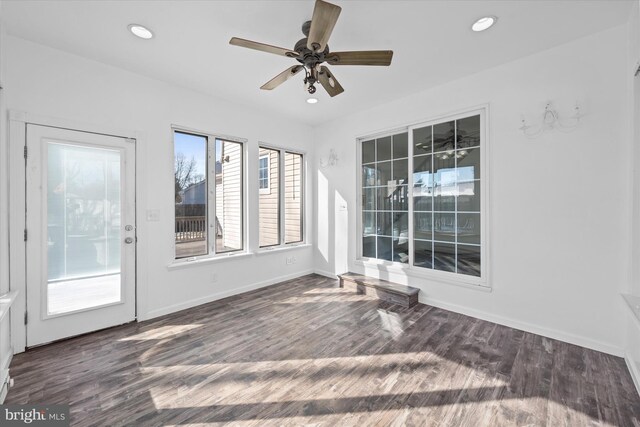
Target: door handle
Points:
x,y
128,240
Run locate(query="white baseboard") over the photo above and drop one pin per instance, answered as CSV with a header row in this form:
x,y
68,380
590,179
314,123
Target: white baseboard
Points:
x,y
326,274
527,327
219,295
633,370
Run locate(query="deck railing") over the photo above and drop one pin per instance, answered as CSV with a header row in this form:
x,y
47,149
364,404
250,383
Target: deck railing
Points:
x,y
190,228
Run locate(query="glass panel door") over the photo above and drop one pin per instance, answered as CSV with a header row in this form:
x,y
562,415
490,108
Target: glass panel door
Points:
x,y
83,227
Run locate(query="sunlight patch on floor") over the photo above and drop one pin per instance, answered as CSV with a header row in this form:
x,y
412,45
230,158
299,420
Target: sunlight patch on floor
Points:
x,y
324,291
341,298
227,384
161,332
321,362
391,323
329,420
557,411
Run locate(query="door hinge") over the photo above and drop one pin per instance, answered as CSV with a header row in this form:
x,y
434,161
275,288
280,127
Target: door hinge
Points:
x,y
25,152
25,234
26,317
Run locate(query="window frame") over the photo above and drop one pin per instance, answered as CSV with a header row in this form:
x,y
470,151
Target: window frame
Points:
x,y
267,189
211,138
481,282
302,198
281,197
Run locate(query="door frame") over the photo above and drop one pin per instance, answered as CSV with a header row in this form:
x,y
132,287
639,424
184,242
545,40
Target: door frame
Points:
x,y
18,121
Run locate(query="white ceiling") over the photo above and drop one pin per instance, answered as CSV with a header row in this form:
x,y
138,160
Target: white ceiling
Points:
x,y
431,40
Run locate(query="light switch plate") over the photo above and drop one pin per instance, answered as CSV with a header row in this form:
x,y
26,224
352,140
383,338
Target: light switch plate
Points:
x,y
153,215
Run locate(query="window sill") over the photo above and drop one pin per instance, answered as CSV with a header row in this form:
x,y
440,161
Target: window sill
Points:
x,y
283,248
5,302
178,264
441,277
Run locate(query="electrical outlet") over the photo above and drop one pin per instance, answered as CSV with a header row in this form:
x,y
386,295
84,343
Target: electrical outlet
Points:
x,y
293,260
288,260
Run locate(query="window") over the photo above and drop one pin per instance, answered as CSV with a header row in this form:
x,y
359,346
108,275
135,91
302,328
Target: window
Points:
x,y
280,212
190,173
385,167
269,203
228,193
208,212
263,174
441,229
293,197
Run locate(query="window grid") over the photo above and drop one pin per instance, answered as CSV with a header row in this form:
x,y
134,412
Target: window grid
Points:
x,y
385,226
263,174
466,226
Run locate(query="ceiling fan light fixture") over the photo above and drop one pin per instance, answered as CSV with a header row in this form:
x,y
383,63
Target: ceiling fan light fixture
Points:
x,y
312,100
312,51
141,31
484,23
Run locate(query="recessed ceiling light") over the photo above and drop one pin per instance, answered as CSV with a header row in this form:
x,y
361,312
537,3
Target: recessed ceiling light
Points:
x,y
312,100
141,31
484,23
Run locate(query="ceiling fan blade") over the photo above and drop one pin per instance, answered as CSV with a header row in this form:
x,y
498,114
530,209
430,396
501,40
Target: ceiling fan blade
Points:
x,y
329,82
282,77
361,57
325,16
263,47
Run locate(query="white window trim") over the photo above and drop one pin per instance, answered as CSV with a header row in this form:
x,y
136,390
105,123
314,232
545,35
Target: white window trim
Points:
x,y
211,200
482,282
267,189
281,207
206,260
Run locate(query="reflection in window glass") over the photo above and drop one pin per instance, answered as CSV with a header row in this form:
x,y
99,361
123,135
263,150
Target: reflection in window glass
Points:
x,y
385,198
383,149
269,203
468,132
190,173
446,196
228,173
368,152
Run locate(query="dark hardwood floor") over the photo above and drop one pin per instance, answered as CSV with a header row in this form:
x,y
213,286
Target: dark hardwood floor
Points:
x,y
307,352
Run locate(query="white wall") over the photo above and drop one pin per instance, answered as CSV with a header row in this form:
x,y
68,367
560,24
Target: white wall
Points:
x,y
559,205
48,82
632,350
5,342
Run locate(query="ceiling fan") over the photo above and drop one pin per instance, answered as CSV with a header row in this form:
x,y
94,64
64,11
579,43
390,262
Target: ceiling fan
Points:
x,y
313,50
